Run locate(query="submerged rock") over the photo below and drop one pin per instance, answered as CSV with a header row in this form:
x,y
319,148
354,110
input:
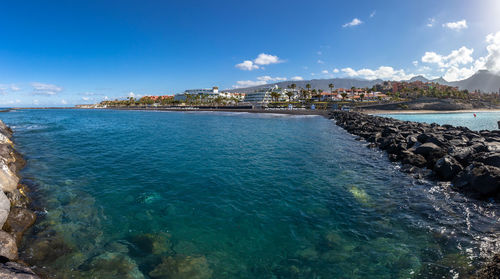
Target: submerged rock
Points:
x,y
13,270
153,243
182,267
8,247
113,265
491,270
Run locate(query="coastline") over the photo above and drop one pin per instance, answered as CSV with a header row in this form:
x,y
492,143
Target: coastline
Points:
x,y
15,216
376,112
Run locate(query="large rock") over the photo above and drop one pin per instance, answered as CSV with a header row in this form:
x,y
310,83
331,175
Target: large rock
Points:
x,y
4,208
19,220
8,247
447,168
8,179
428,149
13,270
408,157
182,267
479,178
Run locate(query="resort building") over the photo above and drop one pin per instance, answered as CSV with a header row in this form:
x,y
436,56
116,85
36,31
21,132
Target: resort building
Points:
x,y
260,97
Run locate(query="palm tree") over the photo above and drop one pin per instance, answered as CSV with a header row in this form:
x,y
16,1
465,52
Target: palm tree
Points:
x,y
293,86
344,95
331,87
361,96
308,86
290,95
275,96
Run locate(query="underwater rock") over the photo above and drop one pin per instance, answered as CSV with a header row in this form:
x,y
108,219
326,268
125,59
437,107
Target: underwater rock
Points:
x,y
491,270
360,195
153,243
48,247
182,267
8,180
8,247
13,270
18,197
309,254
4,208
113,265
19,220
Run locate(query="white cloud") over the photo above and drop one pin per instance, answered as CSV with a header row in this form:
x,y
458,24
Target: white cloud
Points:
x,y
269,78
45,88
35,102
320,61
85,98
353,22
492,60
266,59
262,59
132,94
297,78
459,56
14,87
431,21
457,25
324,72
415,63
64,102
249,83
336,70
383,72
372,14
247,65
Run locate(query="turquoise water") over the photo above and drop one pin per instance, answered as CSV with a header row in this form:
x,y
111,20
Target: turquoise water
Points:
x,y
482,121
221,195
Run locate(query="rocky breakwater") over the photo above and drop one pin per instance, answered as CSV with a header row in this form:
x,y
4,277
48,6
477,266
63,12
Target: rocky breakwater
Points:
x,y
15,217
470,160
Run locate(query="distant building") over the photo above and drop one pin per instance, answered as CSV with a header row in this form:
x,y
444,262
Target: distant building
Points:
x,y
260,97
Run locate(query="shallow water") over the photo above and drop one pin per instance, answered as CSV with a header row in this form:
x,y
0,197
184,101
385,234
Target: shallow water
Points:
x,y
244,195
482,121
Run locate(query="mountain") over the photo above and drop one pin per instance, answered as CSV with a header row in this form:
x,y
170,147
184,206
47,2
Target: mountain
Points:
x,y
482,80
418,78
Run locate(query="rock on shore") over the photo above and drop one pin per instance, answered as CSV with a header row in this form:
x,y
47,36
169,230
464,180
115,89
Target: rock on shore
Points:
x,y
469,159
14,221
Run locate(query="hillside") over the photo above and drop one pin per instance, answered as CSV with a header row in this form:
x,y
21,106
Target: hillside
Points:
x,y
482,80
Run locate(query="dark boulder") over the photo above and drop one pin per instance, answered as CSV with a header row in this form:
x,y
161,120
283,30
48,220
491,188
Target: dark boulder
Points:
x,y
447,168
408,157
479,178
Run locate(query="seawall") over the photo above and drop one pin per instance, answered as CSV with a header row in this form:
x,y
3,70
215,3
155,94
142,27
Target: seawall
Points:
x,y
470,160
15,217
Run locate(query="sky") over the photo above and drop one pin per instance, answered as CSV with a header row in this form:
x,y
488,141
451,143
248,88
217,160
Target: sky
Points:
x,y
62,53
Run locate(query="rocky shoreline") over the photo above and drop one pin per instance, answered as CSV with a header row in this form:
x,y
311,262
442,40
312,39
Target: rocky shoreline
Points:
x,y
468,159
15,217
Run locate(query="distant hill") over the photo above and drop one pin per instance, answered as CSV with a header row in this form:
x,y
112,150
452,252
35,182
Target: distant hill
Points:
x,y
482,80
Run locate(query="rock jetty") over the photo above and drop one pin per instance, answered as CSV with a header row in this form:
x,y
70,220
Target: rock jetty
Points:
x,y
15,217
470,160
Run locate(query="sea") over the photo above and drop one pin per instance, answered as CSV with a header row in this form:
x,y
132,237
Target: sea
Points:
x,y
149,194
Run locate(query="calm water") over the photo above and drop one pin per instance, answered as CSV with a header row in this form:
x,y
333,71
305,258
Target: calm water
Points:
x,y
244,195
482,121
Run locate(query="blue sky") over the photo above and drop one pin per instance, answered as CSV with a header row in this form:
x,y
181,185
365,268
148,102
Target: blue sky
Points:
x,y
71,52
